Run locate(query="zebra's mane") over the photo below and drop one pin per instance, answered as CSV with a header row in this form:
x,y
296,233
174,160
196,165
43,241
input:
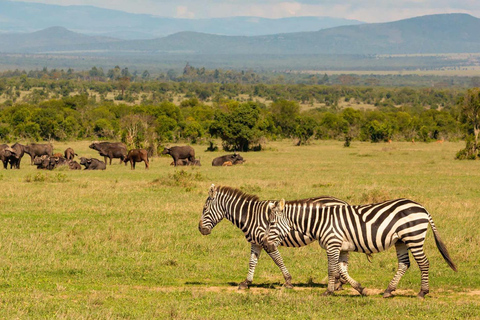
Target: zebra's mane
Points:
x,y
238,193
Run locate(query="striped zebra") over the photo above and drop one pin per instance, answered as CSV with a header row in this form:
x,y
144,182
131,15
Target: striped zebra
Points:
x,y
250,214
368,228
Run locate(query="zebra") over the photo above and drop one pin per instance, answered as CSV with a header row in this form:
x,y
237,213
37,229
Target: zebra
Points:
x,y
250,214
367,228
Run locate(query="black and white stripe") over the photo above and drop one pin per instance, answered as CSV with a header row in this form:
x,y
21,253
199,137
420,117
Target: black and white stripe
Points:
x,y
251,215
368,228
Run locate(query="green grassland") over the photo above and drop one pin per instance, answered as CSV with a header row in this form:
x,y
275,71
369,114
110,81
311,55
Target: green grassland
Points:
x,y
125,244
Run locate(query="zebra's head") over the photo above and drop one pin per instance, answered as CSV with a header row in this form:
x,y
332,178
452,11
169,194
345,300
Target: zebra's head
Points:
x,y
210,215
278,226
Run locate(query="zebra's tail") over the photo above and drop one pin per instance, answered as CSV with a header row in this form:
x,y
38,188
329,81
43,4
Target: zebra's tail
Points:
x,y
441,246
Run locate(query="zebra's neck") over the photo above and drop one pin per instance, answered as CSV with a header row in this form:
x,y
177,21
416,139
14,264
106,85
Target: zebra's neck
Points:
x,y
246,213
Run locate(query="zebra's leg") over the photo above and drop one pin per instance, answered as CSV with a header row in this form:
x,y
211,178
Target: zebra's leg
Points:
x,y
277,258
254,256
343,267
403,265
333,254
423,265
343,261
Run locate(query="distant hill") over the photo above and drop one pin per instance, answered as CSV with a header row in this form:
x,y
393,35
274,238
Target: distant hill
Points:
x,y
18,17
49,39
444,33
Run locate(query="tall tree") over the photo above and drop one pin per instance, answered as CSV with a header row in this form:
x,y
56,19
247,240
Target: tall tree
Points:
x,y
470,114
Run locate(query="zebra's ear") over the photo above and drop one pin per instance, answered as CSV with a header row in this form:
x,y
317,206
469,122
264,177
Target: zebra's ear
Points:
x,y
212,192
281,204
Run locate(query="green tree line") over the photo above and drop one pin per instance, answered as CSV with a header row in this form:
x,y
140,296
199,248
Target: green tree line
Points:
x,y
240,125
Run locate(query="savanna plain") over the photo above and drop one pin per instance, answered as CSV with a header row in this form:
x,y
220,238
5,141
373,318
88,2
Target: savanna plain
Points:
x,y
124,243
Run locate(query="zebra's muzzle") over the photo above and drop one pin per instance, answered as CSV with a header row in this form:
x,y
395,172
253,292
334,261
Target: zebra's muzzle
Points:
x,y
202,229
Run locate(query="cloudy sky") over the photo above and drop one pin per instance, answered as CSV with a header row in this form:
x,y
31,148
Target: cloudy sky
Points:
x,y
364,10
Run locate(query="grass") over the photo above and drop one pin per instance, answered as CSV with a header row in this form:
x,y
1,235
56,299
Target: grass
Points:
x,y
124,243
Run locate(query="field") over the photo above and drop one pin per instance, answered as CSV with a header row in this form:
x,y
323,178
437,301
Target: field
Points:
x,y
125,244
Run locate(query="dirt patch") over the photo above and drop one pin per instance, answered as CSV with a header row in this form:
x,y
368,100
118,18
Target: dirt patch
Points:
x,y
278,288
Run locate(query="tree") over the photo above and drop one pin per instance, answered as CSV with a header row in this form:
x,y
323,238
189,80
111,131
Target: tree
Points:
x,y
304,129
378,131
239,127
123,84
284,115
470,115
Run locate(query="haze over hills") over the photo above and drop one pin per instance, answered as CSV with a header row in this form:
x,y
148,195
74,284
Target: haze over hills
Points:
x,y
443,33
28,17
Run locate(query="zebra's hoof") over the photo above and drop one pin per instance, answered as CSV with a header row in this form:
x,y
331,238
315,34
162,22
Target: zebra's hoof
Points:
x,y
244,285
362,291
421,294
288,285
388,294
328,293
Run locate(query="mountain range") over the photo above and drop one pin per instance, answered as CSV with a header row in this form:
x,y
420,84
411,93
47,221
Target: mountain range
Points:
x,y
433,34
16,17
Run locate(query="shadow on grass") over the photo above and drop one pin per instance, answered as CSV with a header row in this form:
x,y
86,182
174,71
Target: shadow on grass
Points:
x,y
273,285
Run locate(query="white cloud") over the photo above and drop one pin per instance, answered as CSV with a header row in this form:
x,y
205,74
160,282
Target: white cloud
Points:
x,y
182,12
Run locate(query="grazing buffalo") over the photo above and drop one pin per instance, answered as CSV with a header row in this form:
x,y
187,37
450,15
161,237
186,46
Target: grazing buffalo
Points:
x,y
180,152
19,151
70,154
186,162
137,155
35,149
234,158
74,165
6,154
92,164
110,150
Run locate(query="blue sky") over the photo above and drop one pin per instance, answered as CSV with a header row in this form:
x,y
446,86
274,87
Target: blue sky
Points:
x,y
364,10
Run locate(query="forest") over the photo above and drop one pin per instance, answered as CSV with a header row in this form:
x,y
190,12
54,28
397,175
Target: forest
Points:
x,y
244,109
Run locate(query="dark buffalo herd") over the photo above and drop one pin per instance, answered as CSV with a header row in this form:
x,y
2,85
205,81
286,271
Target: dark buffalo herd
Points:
x,y
42,156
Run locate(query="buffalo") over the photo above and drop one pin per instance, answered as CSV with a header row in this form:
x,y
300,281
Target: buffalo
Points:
x,y
35,149
19,151
74,165
234,158
58,161
70,154
42,162
180,152
137,155
92,164
49,163
110,150
6,154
